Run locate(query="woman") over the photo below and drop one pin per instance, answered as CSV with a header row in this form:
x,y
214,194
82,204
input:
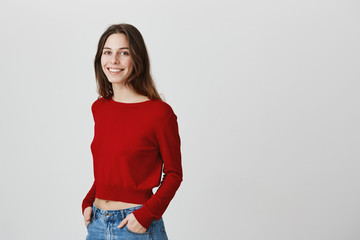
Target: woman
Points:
x,y
135,139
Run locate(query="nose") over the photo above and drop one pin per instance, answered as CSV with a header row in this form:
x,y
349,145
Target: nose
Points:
x,y
114,59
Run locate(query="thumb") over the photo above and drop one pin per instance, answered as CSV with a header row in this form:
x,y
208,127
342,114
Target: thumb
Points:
x,y
123,222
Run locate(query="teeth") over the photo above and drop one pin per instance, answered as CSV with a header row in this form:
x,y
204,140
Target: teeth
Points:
x,y
114,70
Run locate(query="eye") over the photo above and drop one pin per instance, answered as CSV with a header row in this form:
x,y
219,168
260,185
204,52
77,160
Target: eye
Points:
x,y
106,52
124,53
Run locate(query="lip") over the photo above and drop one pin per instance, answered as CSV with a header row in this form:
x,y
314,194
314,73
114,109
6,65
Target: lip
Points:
x,y
114,73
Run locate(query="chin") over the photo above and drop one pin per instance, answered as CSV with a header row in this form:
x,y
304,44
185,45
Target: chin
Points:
x,y
116,80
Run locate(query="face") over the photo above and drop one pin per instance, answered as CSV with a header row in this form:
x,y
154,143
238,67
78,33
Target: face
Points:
x,y
116,61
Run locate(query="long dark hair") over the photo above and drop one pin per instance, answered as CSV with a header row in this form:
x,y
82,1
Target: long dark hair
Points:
x,y
140,79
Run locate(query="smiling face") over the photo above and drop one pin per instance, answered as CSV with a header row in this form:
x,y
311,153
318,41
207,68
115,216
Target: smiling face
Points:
x,y
116,60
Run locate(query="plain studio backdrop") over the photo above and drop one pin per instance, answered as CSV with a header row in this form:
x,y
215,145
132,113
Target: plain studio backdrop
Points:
x,y
267,99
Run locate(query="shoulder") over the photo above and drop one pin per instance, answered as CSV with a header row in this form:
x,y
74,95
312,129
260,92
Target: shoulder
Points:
x,y
96,103
162,109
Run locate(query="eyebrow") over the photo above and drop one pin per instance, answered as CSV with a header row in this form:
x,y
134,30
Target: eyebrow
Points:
x,y
119,48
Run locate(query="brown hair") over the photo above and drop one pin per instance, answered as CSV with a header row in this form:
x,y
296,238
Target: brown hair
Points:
x,y
140,79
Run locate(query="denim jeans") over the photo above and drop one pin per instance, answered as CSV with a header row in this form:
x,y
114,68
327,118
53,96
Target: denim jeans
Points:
x,y
103,226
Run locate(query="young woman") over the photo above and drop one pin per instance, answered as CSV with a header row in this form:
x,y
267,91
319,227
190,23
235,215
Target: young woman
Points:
x,y
136,138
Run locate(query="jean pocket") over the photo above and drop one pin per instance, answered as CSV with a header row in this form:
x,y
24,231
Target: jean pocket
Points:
x,y
91,220
131,232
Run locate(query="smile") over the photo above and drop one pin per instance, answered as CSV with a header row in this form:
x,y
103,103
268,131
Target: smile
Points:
x,y
115,70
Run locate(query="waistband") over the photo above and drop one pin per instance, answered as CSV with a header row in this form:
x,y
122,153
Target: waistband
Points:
x,y
112,214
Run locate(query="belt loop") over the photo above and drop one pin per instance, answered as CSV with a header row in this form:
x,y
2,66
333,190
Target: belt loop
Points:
x,y
94,211
123,214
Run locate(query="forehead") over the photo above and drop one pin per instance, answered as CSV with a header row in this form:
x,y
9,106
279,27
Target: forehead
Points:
x,y
116,40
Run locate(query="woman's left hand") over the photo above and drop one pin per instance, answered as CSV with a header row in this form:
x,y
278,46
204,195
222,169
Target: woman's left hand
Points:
x,y
132,224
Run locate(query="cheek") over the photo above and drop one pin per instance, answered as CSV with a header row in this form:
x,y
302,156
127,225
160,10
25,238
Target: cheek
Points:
x,y
130,64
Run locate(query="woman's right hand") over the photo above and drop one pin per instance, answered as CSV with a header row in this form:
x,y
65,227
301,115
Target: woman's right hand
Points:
x,y
87,215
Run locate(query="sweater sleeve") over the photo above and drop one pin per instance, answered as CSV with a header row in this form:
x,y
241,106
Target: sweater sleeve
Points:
x,y
89,199
168,139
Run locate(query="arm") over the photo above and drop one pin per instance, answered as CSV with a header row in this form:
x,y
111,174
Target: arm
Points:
x,y
89,199
169,143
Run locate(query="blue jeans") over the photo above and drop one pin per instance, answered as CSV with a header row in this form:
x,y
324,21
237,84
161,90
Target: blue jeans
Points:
x,y
103,226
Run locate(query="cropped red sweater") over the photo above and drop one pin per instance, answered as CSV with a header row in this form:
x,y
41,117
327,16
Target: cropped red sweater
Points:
x,y
133,144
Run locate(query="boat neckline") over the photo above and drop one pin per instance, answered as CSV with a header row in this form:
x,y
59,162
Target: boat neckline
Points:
x,y
130,104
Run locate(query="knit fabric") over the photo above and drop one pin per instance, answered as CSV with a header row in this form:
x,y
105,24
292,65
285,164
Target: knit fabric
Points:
x,y
134,143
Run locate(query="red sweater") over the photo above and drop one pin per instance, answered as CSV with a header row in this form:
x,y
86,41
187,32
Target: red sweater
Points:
x,y
133,143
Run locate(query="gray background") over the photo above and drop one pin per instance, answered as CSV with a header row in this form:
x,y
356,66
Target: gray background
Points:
x,y
267,99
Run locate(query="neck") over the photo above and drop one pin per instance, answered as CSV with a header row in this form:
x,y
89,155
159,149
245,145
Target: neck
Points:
x,y
124,93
